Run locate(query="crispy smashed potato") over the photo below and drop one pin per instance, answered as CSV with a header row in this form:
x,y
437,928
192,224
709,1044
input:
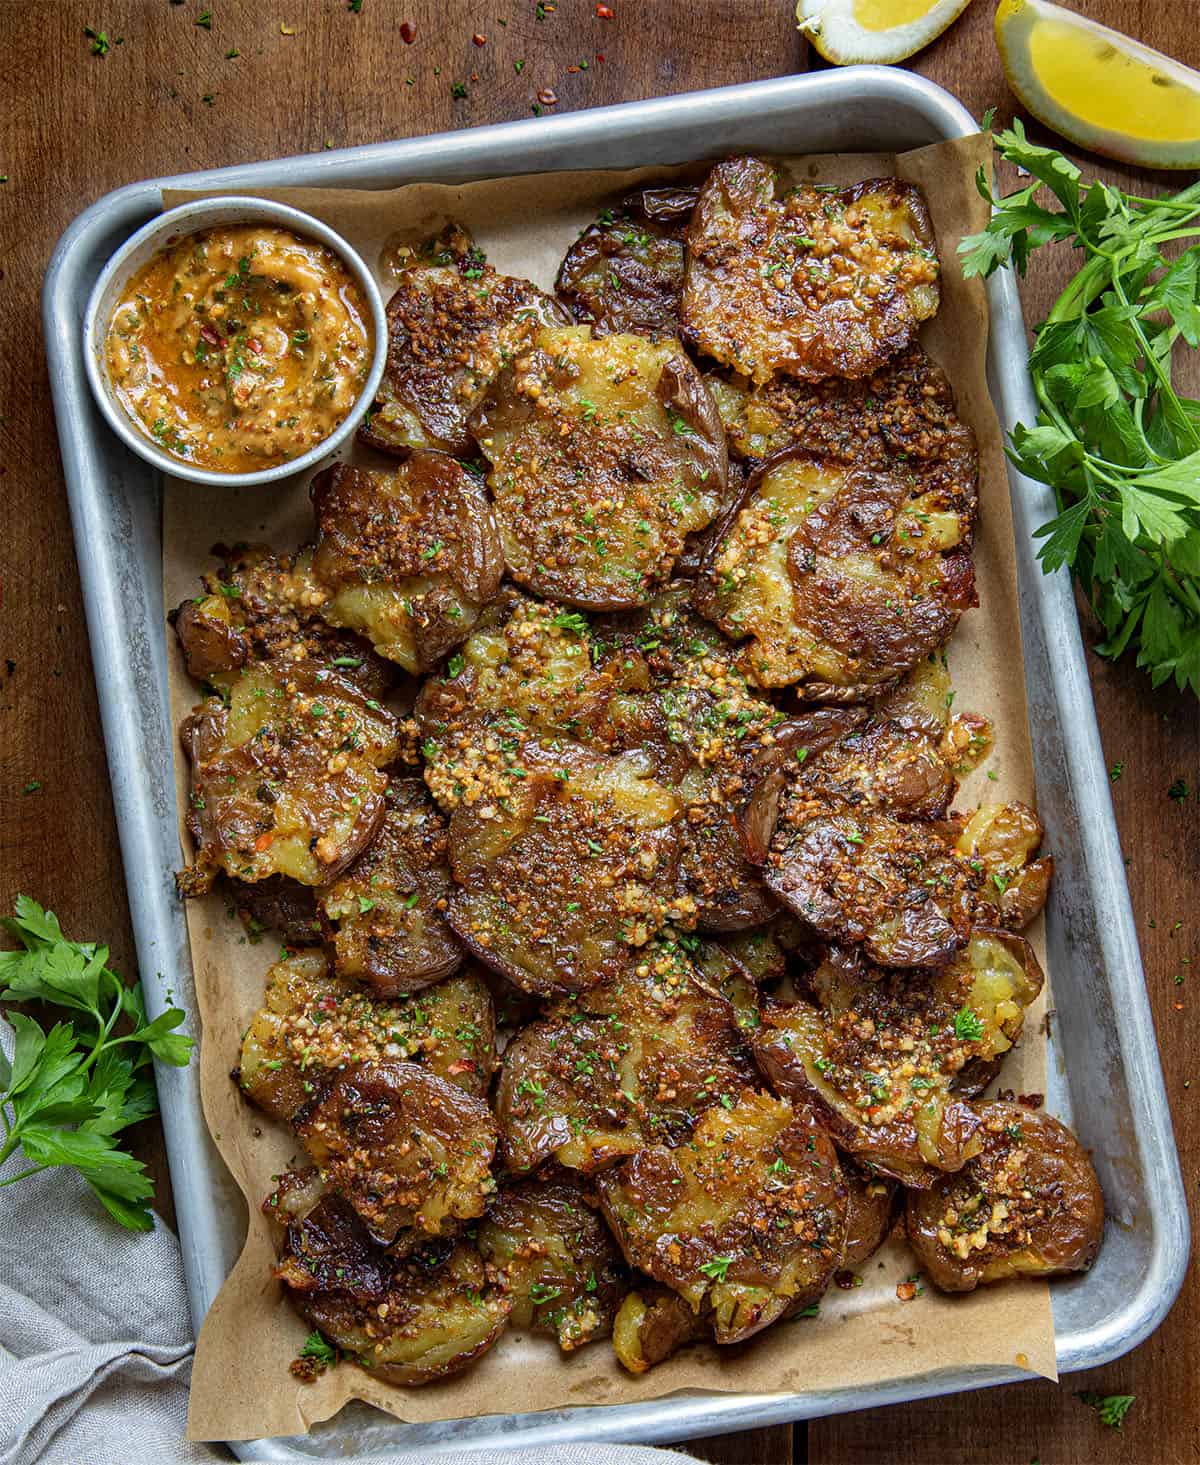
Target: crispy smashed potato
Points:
x,y
556,1258
1000,838
1028,1204
277,904
259,606
384,917
409,1320
817,282
883,1056
313,1023
406,558
453,323
746,1218
870,1204
843,577
568,871
636,1061
605,453
286,777
625,271
651,1324
410,1152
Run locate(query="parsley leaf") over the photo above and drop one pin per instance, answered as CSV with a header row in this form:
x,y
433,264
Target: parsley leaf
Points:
x,y
717,1268
70,1090
1113,438
1112,1408
968,1025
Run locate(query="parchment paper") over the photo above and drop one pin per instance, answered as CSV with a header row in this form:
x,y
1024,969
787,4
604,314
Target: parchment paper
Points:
x,y
241,1387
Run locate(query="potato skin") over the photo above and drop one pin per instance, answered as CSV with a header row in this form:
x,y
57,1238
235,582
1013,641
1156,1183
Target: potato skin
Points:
x,y
407,558
280,905
635,1061
605,454
286,779
870,1205
452,323
313,1023
786,569
813,283
1001,838
410,1320
625,271
404,1147
555,1257
383,917
651,1324
883,1056
1028,1204
704,1218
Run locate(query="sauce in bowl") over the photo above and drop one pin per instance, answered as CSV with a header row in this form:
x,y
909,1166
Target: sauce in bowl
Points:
x,y
240,347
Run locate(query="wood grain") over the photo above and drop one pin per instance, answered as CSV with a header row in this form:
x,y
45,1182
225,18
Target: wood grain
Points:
x,y
73,126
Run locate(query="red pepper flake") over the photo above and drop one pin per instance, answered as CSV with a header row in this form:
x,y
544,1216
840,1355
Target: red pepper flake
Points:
x,y
906,1291
408,31
480,40
547,96
572,69
209,336
604,12
600,59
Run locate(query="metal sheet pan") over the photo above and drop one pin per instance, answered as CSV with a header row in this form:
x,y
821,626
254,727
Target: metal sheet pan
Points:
x,y
1105,1077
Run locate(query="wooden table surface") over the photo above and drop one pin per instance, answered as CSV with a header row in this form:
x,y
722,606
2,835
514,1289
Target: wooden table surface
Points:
x,y
271,77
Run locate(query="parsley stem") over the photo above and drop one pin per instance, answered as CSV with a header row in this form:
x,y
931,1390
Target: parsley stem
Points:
x,y
22,1175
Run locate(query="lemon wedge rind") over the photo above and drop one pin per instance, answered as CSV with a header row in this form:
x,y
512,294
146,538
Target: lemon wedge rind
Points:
x,y
854,32
1100,89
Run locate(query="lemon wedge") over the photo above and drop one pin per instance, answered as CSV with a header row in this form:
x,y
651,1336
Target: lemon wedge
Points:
x,y
1099,88
852,31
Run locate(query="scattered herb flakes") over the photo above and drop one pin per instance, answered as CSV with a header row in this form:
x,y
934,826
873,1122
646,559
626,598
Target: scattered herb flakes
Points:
x,y
32,786
232,53
519,65
354,6
458,89
1178,791
208,99
1116,771
100,42
1112,1408
204,20
968,1025
717,1268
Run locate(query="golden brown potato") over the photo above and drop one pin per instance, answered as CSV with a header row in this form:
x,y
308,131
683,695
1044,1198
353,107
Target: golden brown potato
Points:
x,y
280,905
313,1023
652,1323
408,1321
870,1203
555,1257
605,453
634,1062
453,322
882,764
406,558
902,412
406,1149
813,282
625,271
383,917
564,871
286,777
998,841
883,1055
747,1217
259,606
843,577
1028,1204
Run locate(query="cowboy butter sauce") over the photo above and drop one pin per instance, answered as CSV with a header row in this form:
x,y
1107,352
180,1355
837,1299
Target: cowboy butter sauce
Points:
x,y
240,347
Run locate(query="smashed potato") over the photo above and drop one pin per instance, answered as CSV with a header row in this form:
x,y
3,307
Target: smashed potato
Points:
x,y
384,917
605,454
813,282
998,840
425,1316
313,1023
625,271
651,1324
1028,1204
746,1218
453,323
870,1203
570,869
406,1149
406,558
277,904
843,577
884,1055
636,1061
556,1258
286,777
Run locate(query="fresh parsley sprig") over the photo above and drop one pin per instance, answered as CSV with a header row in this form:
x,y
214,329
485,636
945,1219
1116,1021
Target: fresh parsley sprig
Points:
x,y
1117,443
69,1092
